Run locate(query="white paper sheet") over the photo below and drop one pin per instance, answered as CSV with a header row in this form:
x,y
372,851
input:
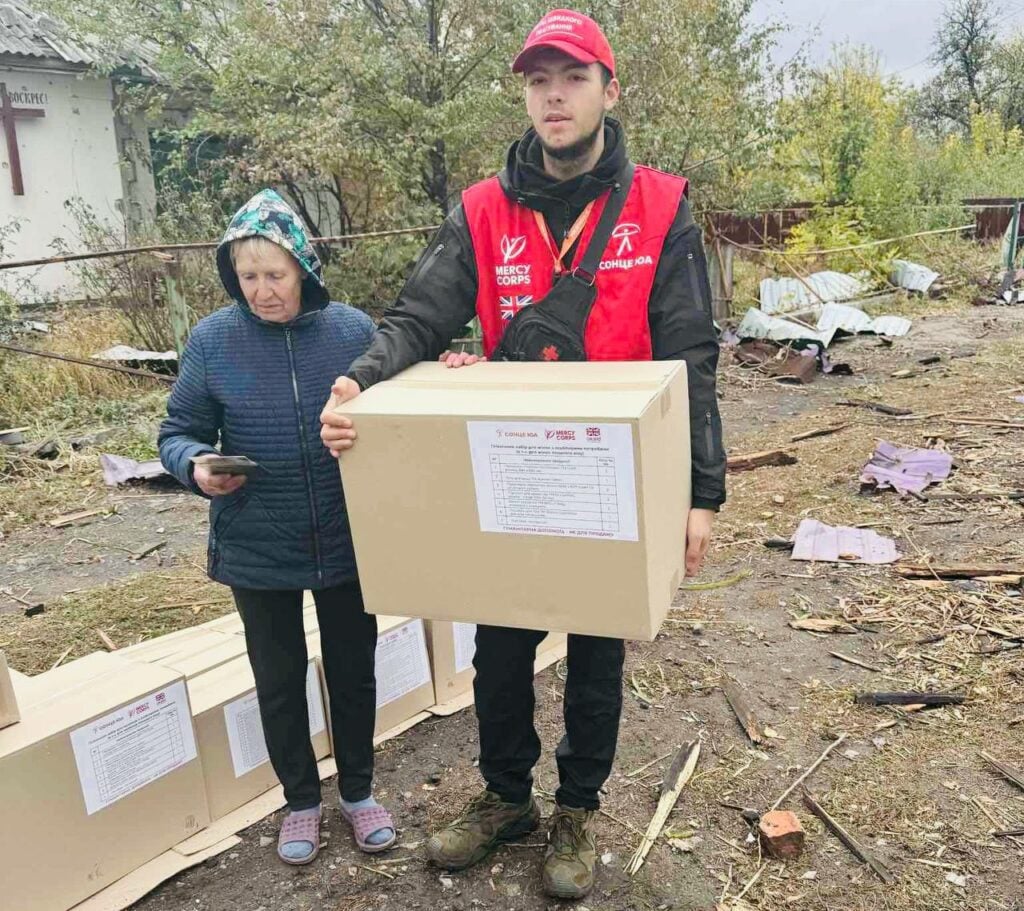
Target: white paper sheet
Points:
x,y
245,727
567,480
134,745
402,663
465,645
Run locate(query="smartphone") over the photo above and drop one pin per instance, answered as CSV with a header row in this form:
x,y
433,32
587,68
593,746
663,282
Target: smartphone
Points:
x,y
237,465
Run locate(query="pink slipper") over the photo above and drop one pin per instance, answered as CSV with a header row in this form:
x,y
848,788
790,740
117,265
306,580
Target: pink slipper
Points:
x,y
300,827
365,822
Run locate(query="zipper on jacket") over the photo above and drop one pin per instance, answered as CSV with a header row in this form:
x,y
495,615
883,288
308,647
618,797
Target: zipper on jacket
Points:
x,y
709,436
304,447
698,297
429,260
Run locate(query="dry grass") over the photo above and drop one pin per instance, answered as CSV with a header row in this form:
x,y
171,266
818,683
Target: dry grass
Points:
x,y
128,611
32,385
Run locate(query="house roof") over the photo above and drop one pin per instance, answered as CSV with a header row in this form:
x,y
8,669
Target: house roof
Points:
x,y
27,33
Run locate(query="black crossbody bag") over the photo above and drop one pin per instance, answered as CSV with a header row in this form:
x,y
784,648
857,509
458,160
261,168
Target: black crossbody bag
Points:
x,y
553,328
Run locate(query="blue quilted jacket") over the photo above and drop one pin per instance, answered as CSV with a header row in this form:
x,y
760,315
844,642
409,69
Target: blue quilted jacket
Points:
x,y
255,388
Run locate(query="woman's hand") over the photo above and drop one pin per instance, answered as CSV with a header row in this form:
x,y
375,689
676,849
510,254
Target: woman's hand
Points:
x,y
215,485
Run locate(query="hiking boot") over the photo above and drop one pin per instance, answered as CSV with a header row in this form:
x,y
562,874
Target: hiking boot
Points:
x,y
486,823
571,854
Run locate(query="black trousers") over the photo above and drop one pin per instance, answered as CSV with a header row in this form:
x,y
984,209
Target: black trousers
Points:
x,y
509,745
277,652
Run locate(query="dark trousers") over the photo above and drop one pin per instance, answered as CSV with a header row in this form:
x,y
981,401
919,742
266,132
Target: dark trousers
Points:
x,y
277,652
509,745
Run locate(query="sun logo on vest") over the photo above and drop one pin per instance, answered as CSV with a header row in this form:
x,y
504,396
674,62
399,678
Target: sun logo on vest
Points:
x,y
512,247
624,234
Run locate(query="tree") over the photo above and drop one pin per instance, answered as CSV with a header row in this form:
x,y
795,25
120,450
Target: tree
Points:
x,y
964,52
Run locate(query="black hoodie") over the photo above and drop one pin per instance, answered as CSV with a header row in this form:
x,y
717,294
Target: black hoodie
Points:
x,y
439,298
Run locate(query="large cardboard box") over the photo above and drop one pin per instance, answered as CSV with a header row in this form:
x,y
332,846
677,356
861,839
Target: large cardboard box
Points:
x,y
230,733
196,653
9,713
452,645
97,779
544,496
404,684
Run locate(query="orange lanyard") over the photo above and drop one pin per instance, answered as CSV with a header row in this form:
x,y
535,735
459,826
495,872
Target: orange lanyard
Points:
x,y
570,238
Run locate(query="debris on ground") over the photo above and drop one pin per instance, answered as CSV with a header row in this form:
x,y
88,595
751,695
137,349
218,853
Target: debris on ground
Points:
x,y
959,570
744,713
778,361
119,470
842,319
165,362
909,698
785,295
817,542
80,517
847,838
904,470
912,276
679,774
12,436
781,834
774,457
757,324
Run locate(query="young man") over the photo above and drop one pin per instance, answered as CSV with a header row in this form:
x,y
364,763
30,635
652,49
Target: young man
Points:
x,y
514,237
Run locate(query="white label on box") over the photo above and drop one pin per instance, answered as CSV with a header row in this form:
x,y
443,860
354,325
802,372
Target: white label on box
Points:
x,y
402,663
133,746
569,480
245,727
465,645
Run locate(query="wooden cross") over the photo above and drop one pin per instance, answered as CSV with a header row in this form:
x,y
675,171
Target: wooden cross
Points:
x,y
8,113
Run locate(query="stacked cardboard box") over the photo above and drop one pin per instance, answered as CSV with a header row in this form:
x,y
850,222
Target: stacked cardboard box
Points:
x,y
405,686
9,713
101,775
229,732
452,646
556,494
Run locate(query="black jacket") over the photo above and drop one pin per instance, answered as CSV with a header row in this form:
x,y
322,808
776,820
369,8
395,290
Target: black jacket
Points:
x,y
439,298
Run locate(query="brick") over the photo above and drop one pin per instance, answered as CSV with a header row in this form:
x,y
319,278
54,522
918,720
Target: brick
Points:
x,y
781,834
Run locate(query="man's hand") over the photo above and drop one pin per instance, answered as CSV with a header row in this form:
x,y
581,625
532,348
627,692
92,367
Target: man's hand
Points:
x,y
337,431
460,359
215,485
698,537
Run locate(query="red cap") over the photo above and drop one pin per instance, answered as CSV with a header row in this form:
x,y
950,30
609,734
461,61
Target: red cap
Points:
x,y
571,33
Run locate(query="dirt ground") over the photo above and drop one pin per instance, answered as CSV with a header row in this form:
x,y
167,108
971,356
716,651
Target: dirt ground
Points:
x,y
911,785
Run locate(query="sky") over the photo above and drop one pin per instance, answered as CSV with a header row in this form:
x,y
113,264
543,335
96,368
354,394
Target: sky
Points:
x,y
900,30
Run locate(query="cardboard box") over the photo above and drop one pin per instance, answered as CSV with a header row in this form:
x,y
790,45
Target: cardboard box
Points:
x,y
229,732
229,623
95,781
404,684
9,713
452,645
544,496
196,653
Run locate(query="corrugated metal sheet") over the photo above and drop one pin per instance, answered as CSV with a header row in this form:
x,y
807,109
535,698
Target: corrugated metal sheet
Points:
x,y
912,276
786,295
26,33
839,317
757,324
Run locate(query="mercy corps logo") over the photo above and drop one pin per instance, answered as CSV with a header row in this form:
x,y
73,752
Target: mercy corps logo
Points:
x,y
510,275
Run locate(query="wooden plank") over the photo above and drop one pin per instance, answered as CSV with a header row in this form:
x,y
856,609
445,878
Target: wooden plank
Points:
x,y
909,698
753,460
847,838
744,713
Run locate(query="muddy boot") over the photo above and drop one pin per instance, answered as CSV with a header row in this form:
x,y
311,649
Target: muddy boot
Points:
x,y
571,854
486,823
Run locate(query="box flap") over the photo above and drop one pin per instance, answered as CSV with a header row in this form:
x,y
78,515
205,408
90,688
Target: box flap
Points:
x,y
523,391
220,684
119,683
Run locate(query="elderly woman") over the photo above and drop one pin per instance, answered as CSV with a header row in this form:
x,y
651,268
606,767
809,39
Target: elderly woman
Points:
x,y
253,377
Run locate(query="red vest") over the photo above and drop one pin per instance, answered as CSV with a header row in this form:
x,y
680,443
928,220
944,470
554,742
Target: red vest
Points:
x,y
515,262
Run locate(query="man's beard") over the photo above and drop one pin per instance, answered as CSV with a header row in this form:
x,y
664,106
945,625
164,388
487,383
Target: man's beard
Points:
x,y
579,149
